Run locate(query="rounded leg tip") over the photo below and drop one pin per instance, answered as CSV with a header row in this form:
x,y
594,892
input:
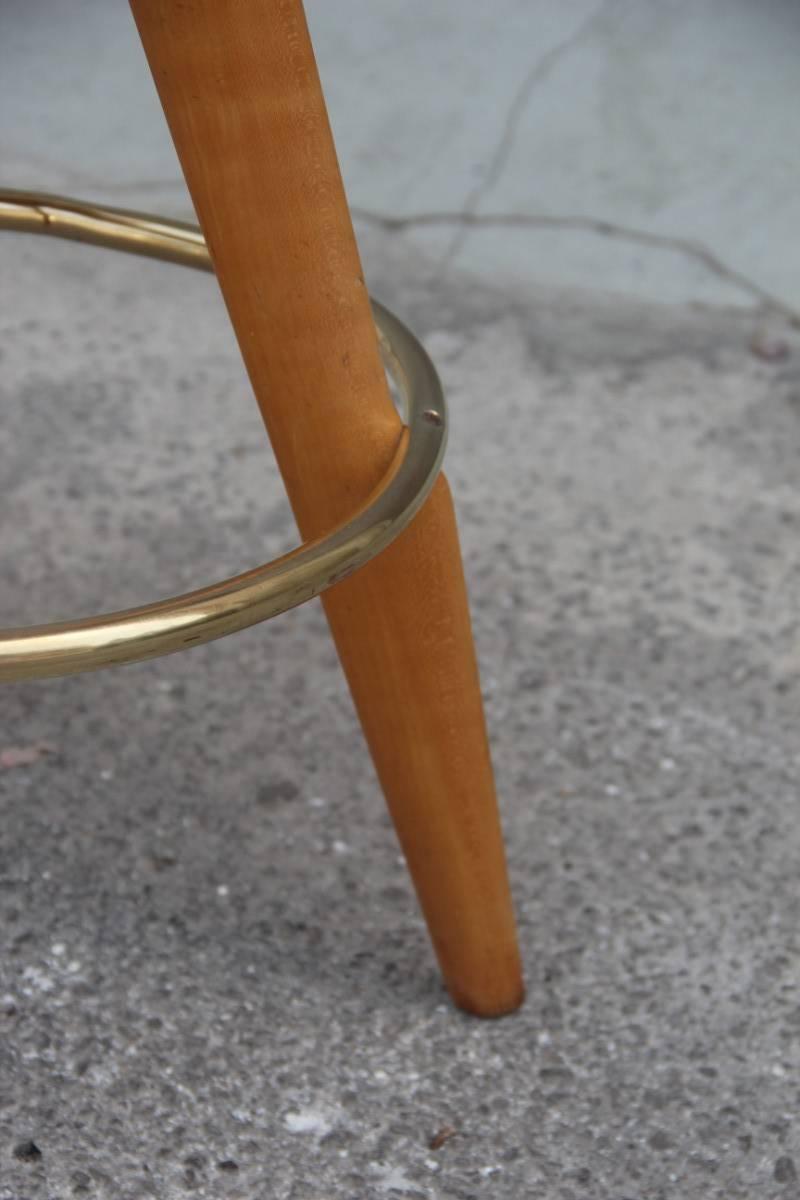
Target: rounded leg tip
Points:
x,y
490,1002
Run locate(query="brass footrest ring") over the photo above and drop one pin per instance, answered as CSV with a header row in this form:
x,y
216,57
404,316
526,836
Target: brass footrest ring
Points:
x,y
212,612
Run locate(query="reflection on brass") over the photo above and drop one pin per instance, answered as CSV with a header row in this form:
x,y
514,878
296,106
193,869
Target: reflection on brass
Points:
x,y
222,608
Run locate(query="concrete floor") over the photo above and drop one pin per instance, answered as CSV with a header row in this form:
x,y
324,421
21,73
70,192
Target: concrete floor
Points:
x,y
214,980
585,125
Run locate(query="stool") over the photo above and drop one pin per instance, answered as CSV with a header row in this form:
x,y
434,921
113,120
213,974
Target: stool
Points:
x,y
239,87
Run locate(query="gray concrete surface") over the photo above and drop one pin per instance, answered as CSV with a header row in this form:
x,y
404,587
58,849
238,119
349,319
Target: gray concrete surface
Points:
x,y
671,120
213,978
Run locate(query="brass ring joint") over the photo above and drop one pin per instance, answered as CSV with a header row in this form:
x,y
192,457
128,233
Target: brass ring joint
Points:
x,y
221,608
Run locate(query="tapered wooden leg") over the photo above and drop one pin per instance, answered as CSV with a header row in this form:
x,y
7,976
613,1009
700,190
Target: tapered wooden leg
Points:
x,y
239,87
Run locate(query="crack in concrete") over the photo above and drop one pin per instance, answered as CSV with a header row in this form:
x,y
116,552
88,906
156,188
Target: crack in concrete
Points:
x,y
519,102
470,220
697,251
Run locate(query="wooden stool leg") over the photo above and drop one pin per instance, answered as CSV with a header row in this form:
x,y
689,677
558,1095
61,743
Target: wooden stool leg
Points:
x,y
239,87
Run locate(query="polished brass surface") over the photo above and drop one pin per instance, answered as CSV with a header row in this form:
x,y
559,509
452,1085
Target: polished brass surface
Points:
x,y
222,608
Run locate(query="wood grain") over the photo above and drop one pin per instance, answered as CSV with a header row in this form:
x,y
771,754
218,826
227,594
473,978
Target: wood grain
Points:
x,y
239,86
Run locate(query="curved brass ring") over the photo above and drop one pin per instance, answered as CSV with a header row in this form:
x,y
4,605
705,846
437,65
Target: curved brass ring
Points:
x,y
222,608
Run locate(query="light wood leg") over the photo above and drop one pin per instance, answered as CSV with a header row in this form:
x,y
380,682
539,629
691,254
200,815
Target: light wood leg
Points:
x,y
240,90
